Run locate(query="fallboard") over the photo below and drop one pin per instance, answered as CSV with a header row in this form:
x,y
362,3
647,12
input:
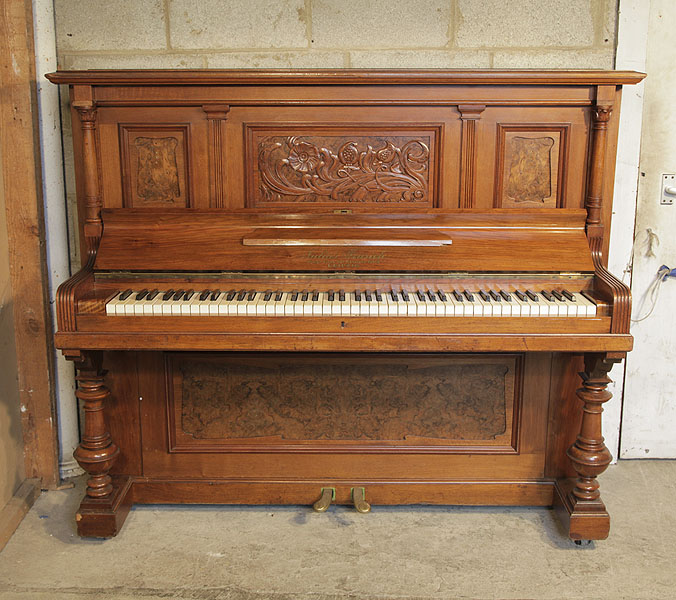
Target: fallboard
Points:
x,y
450,241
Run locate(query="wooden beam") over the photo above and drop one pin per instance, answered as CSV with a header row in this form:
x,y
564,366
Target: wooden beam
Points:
x,y
17,507
21,180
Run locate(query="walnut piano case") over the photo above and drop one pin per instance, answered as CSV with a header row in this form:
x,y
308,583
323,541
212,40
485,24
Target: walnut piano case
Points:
x,y
368,287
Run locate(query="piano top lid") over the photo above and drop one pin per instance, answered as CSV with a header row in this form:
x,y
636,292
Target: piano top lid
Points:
x,y
345,77
502,240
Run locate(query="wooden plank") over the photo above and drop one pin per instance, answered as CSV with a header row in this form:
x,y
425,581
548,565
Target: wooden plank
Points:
x,y
25,224
17,507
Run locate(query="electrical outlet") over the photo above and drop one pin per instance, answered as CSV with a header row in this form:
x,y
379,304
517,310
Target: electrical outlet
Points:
x,y
668,195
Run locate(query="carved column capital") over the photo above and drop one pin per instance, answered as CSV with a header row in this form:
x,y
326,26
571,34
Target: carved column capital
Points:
x,y
216,112
602,114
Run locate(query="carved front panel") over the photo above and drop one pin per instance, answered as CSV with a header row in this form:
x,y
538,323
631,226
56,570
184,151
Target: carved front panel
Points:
x,y
529,166
154,164
376,167
311,399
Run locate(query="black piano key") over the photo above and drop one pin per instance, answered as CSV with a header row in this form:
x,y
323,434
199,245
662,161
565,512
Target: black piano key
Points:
x,y
152,295
124,295
142,294
457,295
468,295
204,295
357,296
506,295
521,296
420,295
230,296
178,295
394,296
368,296
568,295
404,295
546,295
558,296
241,295
278,295
379,296
215,295
304,295
341,295
252,296
267,295
294,296
331,295
442,296
188,295
495,296
532,295
315,296
484,296
431,296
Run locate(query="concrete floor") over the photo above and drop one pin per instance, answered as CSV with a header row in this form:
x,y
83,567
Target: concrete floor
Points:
x,y
291,553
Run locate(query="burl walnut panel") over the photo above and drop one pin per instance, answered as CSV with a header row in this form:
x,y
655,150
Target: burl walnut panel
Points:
x,y
530,166
308,398
155,166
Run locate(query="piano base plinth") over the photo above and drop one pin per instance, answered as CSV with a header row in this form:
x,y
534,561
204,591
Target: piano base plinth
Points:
x,y
104,517
583,519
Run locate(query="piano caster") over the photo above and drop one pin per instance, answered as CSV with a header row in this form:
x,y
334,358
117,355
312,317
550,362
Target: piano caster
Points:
x,y
582,542
322,505
359,500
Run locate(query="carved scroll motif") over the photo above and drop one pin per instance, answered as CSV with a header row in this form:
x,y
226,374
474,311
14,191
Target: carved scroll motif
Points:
x,y
530,170
297,169
344,402
157,173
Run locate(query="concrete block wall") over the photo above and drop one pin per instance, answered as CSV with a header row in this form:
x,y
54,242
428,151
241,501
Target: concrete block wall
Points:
x,y
335,33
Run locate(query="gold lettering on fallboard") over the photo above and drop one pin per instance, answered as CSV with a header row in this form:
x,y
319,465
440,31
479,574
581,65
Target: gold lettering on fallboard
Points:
x,y
347,260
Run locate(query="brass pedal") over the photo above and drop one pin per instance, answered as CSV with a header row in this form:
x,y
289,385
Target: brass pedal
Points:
x,y
328,496
359,500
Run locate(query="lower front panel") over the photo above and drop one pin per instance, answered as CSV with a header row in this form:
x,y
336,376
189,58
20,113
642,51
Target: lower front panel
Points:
x,y
276,427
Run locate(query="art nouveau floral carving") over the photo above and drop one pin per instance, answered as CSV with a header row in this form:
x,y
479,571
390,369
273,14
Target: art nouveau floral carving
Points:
x,y
294,169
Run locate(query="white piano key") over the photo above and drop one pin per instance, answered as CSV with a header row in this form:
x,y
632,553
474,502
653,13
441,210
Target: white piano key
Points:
x,y
588,307
524,306
317,305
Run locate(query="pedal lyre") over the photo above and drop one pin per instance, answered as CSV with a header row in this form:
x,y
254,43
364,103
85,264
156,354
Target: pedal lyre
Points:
x,y
359,500
328,495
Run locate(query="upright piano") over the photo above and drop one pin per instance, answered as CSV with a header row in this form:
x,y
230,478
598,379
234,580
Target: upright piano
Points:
x,y
354,287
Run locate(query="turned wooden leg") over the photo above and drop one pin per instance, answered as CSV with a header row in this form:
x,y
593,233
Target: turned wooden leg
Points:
x,y
589,454
96,453
585,513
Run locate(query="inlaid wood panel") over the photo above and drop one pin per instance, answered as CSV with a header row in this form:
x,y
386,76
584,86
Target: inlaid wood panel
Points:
x,y
529,166
157,162
531,158
155,166
216,402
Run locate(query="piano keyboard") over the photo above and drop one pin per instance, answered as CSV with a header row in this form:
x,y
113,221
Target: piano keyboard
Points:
x,y
313,303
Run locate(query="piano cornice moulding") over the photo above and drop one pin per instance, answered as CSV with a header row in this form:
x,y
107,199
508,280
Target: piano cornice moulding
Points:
x,y
346,76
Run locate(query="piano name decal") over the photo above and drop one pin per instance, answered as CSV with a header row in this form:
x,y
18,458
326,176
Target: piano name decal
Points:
x,y
345,260
340,169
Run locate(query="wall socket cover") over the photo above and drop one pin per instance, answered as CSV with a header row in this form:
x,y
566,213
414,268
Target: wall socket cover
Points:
x,y
668,195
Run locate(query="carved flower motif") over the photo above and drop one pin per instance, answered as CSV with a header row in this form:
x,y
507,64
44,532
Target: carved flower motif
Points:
x,y
303,157
386,154
348,154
